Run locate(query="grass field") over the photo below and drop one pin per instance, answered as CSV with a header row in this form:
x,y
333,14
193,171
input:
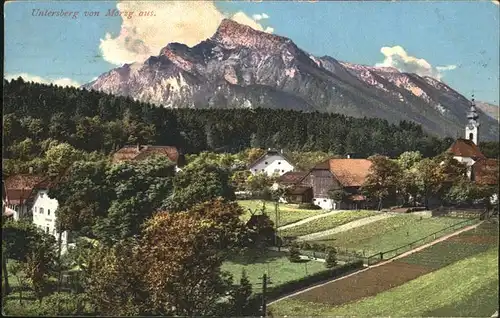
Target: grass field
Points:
x,y
288,213
458,277
466,288
326,223
275,264
387,234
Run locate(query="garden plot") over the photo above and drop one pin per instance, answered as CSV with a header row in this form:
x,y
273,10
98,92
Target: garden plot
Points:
x,y
468,288
466,264
325,223
275,264
389,233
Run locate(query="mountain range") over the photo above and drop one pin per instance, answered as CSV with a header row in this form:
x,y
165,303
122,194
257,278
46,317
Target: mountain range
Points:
x,y
239,67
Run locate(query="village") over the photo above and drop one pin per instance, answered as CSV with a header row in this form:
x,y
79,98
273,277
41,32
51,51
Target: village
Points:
x,y
303,209
250,159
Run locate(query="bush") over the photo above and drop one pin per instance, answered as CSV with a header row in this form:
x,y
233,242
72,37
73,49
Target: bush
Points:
x,y
309,206
331,258
294,254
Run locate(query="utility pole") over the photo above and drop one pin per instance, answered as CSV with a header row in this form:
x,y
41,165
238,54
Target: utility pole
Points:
x,y
265,281
276,225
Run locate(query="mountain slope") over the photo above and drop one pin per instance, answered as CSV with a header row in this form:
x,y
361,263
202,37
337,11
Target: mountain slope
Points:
x,y
239,67
489,109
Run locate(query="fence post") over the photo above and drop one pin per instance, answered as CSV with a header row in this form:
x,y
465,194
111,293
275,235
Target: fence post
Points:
x,y
381,255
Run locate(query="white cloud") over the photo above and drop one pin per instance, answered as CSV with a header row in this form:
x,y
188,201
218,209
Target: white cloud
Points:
x,y
497,2
37,79
258,17
398,58
188,22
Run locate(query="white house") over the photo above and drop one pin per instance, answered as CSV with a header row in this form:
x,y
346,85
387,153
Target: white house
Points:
x,y
272,162
44,215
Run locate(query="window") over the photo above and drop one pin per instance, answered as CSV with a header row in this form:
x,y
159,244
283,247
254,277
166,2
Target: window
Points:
x,y
47,230
255,170
54,232
324,200
471,136
266,162
262,169
41,194
48,211
282,170
279,162
41,210
35,209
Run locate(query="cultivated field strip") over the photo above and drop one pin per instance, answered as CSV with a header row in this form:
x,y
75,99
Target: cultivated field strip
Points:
x,y
345,227
372,280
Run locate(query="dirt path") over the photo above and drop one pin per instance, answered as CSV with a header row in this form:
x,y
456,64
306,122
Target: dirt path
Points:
x,y
346,227
309,219
383,263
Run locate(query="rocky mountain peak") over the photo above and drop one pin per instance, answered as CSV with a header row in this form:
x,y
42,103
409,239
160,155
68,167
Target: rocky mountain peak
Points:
x,y
231,34
239,67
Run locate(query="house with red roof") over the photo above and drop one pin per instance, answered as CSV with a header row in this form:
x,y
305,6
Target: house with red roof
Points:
x,y
337,174
142,152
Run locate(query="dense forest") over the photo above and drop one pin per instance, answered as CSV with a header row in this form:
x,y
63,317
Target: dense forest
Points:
x,y
93,121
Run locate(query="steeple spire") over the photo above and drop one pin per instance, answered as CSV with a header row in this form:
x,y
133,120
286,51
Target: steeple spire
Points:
x,y
472,128
472,114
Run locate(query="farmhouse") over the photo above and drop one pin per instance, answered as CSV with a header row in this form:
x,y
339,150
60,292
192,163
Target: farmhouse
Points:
x,y
272,162
346,175
142,152
19,193
294,193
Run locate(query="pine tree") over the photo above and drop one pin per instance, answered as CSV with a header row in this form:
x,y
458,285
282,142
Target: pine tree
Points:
x,y
294,254
331,258
241,297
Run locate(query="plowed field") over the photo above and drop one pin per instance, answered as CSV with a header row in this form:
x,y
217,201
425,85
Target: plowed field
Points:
x,y
364,284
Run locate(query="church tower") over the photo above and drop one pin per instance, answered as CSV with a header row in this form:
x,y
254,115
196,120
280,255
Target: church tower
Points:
x,y
472,128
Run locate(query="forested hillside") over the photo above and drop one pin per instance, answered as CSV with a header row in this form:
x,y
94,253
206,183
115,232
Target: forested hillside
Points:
x,y
93,121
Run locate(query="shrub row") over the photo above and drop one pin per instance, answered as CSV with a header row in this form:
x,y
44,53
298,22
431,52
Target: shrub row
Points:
x,y
309,206
323,249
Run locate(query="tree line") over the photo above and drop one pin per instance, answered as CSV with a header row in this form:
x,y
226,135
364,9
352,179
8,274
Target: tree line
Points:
x,y
93,121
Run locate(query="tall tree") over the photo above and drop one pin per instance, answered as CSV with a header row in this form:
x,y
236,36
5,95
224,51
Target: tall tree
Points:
x,y
383,178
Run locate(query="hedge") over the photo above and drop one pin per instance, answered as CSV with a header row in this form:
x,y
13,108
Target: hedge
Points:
x,y
308,206
275,292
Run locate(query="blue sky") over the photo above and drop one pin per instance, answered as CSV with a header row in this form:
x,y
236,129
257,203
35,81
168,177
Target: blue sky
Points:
x,y
455,41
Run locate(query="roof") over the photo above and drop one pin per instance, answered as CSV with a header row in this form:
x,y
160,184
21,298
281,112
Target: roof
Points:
x,y
271,153
465,148
299,190
485,171
357,197
140,152
20,187
349,172
291,177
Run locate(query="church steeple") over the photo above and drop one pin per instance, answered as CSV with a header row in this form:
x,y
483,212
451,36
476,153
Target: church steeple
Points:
x,y
472,128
